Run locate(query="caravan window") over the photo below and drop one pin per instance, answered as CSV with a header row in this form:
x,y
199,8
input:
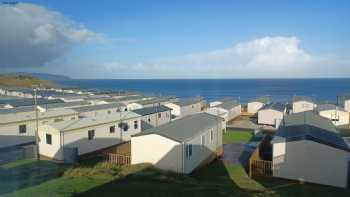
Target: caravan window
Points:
x,y
136,124
23,128
91,134
48,139
188,151
111,129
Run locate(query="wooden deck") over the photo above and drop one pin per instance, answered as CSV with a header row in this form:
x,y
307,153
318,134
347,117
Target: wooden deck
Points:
x,y
258,166
119,159
120,154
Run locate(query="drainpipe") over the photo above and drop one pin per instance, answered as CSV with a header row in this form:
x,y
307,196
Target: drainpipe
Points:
x,y
183,157
62,144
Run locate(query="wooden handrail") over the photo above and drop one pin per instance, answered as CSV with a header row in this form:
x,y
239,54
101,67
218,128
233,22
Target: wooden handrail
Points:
x,y
120,159
258,166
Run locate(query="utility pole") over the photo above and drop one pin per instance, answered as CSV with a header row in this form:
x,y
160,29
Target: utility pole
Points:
x,y
36,122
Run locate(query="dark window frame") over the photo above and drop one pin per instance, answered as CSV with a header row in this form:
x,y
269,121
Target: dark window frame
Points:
x,y
136,124
48,139
112,129
91,134
22,128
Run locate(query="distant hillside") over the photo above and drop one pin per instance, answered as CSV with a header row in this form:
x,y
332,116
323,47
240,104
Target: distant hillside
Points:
x,y
44,76
23,81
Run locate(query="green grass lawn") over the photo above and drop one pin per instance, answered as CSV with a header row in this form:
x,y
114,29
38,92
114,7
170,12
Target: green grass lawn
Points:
x,y
236,136
101,179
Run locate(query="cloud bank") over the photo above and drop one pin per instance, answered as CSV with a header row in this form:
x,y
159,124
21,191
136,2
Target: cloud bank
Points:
x,y
276,57
32,35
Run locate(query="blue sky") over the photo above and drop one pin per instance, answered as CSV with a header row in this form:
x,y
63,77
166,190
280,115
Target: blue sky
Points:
x,y
201,38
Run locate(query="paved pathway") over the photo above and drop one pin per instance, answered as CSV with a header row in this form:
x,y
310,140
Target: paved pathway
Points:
x,y
236,153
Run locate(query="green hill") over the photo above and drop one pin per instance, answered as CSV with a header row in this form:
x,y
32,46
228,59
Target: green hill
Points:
x,y
23,81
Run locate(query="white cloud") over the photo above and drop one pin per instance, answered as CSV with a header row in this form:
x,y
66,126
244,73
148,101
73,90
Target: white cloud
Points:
x,y
269,53
32,35
276,57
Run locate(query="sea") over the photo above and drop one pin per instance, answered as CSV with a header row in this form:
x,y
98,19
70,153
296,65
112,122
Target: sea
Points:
x,y
281,90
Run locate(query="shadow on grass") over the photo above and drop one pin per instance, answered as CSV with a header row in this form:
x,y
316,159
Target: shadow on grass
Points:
x,y
26,174
282,187
212,180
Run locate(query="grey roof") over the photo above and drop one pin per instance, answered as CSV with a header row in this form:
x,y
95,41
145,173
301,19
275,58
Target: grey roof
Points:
x,y
109,100
74,96
322,102
152,101
326,107
229,104
65,104
3,97
275,106
185,128
17,110
15,140
28,101
302,98
98,96
131,97
186,102
308,130
89,121
310,118
151,110
11,118
342,98
262,99
98,107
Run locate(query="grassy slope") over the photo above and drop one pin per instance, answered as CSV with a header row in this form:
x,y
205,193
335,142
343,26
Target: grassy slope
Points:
x,y
23,81
234,136
100,179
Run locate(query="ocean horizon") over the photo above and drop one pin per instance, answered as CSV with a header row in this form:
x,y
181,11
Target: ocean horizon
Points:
x,y
281,90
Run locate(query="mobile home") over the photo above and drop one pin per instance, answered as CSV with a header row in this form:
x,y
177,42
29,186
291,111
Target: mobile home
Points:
x,y
308,148
271,114
185,107
302,104
180,146
154,116
336,114
19,128
87,135
256,104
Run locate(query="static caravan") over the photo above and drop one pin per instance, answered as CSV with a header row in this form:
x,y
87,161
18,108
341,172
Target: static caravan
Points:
x,y
186,107
256,104
154,116
271,114
65,105
148,103
132,98
28,102
72,98
215,103
19,128
302,104
344,101
100,110
180,146
305,149
336,114
227,110
87,135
